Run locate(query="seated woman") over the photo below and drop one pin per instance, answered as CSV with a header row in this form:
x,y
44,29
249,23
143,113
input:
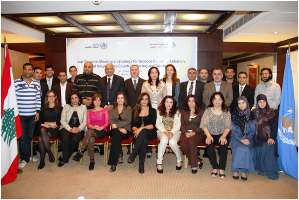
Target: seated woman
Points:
x,y
73,126
265,155
143,127
97,123
241,139
50,121
216,124
168,124
192,134
120,117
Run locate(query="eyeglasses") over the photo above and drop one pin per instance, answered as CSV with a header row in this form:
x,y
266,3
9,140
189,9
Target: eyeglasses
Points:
x,y
217,99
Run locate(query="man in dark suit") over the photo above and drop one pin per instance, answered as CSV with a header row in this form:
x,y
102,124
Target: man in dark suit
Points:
x,y
191,87
218,86
229,76
245,90
133,86
50,80
63,89
37,75
204,75
117,84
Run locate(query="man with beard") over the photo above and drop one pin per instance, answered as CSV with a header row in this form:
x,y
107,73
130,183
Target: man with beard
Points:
x,y
269,88
229,76
203,76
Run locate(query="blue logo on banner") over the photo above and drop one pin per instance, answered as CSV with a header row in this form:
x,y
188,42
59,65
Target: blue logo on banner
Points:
x,y
103,45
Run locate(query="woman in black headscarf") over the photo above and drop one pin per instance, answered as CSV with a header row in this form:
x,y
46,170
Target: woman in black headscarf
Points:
x,y
265,155
241,139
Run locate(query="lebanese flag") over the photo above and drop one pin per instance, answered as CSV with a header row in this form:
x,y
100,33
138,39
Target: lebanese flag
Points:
x,y
11,128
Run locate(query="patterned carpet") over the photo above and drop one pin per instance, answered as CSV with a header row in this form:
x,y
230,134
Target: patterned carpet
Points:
x,y
74,180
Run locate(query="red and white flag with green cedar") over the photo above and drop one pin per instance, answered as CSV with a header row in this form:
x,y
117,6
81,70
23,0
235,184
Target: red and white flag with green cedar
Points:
x,y
11,128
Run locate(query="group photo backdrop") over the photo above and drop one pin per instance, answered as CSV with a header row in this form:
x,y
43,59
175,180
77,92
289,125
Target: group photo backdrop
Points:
x,y
123,52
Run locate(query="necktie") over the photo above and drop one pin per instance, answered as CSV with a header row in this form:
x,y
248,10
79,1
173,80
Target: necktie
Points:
x,y
241,90
49,84
108,90
190,88
135,84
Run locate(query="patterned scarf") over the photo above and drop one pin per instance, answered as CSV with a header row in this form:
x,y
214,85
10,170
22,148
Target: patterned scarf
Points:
x,y
264,117
241,118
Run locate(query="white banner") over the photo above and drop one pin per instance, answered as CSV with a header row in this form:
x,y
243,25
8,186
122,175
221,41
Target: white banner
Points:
x,y
123,52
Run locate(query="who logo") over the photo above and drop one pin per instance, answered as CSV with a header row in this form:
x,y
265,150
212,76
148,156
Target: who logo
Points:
x,y
103,45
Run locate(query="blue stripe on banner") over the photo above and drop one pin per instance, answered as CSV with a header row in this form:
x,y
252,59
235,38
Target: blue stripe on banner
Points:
x,y
288,157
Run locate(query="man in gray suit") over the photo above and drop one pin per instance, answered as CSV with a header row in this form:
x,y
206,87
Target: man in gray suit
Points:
x,y
218,86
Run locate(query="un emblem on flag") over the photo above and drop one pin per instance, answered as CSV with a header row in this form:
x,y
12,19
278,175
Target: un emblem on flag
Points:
x,y
285,131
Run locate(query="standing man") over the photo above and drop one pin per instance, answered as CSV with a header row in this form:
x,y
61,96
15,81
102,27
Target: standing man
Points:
x,y
229,76
133,86
269,88
218,86
192,86
73,71
37,75
110,85
87,84
50,80
63,89
29,104
242,90
204,75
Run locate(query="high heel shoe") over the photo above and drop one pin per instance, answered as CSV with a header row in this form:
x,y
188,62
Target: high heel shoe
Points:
x,y
52,160
131,158
77,157
60,164
159,171
179,167
120,159
214,174
141,167
91,166
200,165
113,168
194,171
41,166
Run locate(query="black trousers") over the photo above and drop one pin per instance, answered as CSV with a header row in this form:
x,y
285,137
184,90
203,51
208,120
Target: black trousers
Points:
x,y
212,153
69,142
116,149
141,142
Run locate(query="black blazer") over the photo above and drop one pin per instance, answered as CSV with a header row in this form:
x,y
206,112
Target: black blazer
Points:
x,y
69,88
132,94
248,92
54,82
183,93
44,90
118,85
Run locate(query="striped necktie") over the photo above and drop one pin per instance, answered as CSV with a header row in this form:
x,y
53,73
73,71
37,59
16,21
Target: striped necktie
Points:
x,y
190,88
135,84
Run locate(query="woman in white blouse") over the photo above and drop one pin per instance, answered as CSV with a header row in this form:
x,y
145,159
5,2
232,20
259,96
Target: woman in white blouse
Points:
x,y
172,82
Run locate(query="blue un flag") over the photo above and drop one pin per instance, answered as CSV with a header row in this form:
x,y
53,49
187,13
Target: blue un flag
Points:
x,y
288,157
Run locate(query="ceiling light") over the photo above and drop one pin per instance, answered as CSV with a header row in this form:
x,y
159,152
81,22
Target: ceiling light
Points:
x,y
276,32
45,19
144,17
193,16
92,17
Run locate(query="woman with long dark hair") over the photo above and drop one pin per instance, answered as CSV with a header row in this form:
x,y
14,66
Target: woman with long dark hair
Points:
x,y
172,82
216,124
192,134
168,124
97,123
120,117
50,121
73,126
265,154
143,127
241,139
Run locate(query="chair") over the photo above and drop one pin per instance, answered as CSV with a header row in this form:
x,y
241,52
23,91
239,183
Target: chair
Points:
x,y
52,141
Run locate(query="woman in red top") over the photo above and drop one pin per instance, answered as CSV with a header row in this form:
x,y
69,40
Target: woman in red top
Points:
x,y
97,123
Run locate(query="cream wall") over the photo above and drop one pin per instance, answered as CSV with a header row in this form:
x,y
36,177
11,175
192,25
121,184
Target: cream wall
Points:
x,y
294,64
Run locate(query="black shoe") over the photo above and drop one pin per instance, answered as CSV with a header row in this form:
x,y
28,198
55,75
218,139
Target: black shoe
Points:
x,y
214,174
120,159
113,168
77,157
149,154
178,168
200,165
194,171
41,165
243,178
131,158
236,177
159,171
222,175
52,160
141,168
91,166
60,164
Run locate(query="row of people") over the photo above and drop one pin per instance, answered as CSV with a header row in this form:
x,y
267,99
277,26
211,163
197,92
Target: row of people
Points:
x,y
187,126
